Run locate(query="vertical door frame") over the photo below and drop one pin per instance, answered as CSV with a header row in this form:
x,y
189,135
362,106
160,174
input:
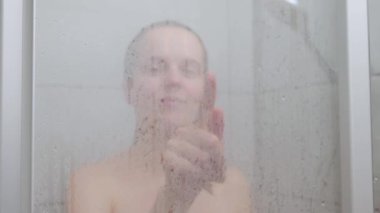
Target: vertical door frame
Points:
x,y
16,105
355,113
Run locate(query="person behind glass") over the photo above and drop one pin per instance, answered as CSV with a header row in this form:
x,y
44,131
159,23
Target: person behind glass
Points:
x,y
176,163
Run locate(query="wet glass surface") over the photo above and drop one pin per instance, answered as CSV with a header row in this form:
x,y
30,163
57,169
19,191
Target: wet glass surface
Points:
x,y
227,107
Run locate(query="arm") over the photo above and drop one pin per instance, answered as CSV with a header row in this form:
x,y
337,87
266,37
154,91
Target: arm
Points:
x,y
167,202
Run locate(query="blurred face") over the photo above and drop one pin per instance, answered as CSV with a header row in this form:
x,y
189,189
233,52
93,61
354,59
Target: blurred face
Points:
x,y
169,82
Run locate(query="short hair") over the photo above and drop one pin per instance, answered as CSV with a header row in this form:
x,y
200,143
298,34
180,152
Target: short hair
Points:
x,y
131,54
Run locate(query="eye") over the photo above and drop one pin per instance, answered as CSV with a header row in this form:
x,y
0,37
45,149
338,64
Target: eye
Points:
x,y
191,68
156,66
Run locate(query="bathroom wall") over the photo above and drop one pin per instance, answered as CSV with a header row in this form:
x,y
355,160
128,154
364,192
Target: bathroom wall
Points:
x,y
296,160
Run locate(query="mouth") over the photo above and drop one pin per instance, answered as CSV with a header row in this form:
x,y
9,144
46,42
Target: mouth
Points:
x,y
171,102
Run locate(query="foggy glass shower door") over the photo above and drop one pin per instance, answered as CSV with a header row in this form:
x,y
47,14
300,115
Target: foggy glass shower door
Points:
x,y
275,63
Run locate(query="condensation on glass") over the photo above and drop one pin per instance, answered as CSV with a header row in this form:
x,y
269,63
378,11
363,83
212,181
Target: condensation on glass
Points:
x,y
162,108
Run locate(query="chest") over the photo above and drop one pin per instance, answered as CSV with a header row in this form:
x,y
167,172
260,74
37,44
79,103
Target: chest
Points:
x,y
143,199
137,197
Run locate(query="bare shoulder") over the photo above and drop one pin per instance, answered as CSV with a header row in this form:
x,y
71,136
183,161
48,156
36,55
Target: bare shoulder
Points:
x,y
101,173
234,177
90,175
234,194
91,188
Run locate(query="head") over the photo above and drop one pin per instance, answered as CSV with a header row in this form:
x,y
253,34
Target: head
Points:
x,y
165,74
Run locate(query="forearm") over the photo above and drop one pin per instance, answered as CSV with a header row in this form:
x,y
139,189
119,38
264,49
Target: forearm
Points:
x,y
168,201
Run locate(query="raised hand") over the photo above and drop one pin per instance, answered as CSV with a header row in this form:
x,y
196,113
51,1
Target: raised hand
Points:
x,y
194,156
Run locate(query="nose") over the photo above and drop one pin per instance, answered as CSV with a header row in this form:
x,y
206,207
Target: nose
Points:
x,y
173,78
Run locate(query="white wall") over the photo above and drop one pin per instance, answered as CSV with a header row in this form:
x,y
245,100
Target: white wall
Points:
x,y
80,112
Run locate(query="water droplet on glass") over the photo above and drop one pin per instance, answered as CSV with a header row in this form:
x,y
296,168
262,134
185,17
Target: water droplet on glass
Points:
x,y
323,203
375,180
283,98
55,149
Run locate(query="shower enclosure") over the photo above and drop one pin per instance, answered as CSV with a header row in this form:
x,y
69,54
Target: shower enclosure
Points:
x,y
293,80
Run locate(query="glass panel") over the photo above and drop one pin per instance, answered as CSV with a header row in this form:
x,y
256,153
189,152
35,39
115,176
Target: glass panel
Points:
x,y
374,35
125,119
296,149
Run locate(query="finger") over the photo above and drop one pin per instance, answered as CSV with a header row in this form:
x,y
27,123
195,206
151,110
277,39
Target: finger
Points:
x,y
208,101
180,170
197,145
208,187
203,139
188,151
174,163
216,123
210,91
181,173
203,149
